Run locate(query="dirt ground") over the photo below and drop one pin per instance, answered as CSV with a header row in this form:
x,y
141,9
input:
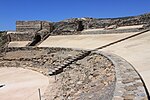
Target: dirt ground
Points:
x,y
21,84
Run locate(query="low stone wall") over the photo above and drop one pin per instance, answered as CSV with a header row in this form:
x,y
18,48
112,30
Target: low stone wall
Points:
x,y
52,49
25,36
129,84
21,36
111,31
90,77
36,58
3,38
96,32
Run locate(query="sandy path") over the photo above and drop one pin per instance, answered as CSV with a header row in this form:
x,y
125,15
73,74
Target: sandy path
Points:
x,y
21,84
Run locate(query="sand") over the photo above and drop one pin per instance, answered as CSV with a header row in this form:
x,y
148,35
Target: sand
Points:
x,y
21,84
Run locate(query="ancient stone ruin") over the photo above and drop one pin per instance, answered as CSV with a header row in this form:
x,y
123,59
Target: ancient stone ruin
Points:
x,y
79,74
33,26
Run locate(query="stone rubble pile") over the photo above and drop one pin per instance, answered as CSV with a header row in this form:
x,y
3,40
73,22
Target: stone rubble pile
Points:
x,y
90,78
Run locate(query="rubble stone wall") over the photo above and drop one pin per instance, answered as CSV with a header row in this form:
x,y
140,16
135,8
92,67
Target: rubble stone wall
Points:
x,y
93,23
25,36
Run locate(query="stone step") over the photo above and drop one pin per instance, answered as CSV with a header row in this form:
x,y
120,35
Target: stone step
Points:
x,y
59,68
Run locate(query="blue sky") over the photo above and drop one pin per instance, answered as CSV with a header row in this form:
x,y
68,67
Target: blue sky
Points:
x,y
56,10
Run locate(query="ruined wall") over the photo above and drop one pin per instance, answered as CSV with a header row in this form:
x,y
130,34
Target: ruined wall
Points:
x,y
20,36
33,26
3,39
93,23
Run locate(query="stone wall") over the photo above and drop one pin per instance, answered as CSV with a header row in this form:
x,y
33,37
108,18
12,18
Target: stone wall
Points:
x,y
20,36
33,26
93,23
129,83
90,77
73,25
25,36
37,58
51,49
3,39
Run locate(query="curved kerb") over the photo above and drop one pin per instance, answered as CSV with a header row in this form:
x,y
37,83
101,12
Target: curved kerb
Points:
x,y
129,83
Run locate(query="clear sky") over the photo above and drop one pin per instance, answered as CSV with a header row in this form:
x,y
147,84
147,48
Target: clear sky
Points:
x,y
56,10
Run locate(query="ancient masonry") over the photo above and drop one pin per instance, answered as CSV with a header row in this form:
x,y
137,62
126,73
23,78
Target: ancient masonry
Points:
x,y
30,30
79,74
33,26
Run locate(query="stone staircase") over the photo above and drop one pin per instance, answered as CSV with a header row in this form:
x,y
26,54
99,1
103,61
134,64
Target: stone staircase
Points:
x,y
59,68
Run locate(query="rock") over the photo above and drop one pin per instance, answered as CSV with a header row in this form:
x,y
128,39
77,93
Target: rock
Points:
x,y
129,97
79,83
131,88
128,80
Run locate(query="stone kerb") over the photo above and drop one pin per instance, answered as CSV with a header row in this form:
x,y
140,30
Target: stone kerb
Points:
x,y
129,85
